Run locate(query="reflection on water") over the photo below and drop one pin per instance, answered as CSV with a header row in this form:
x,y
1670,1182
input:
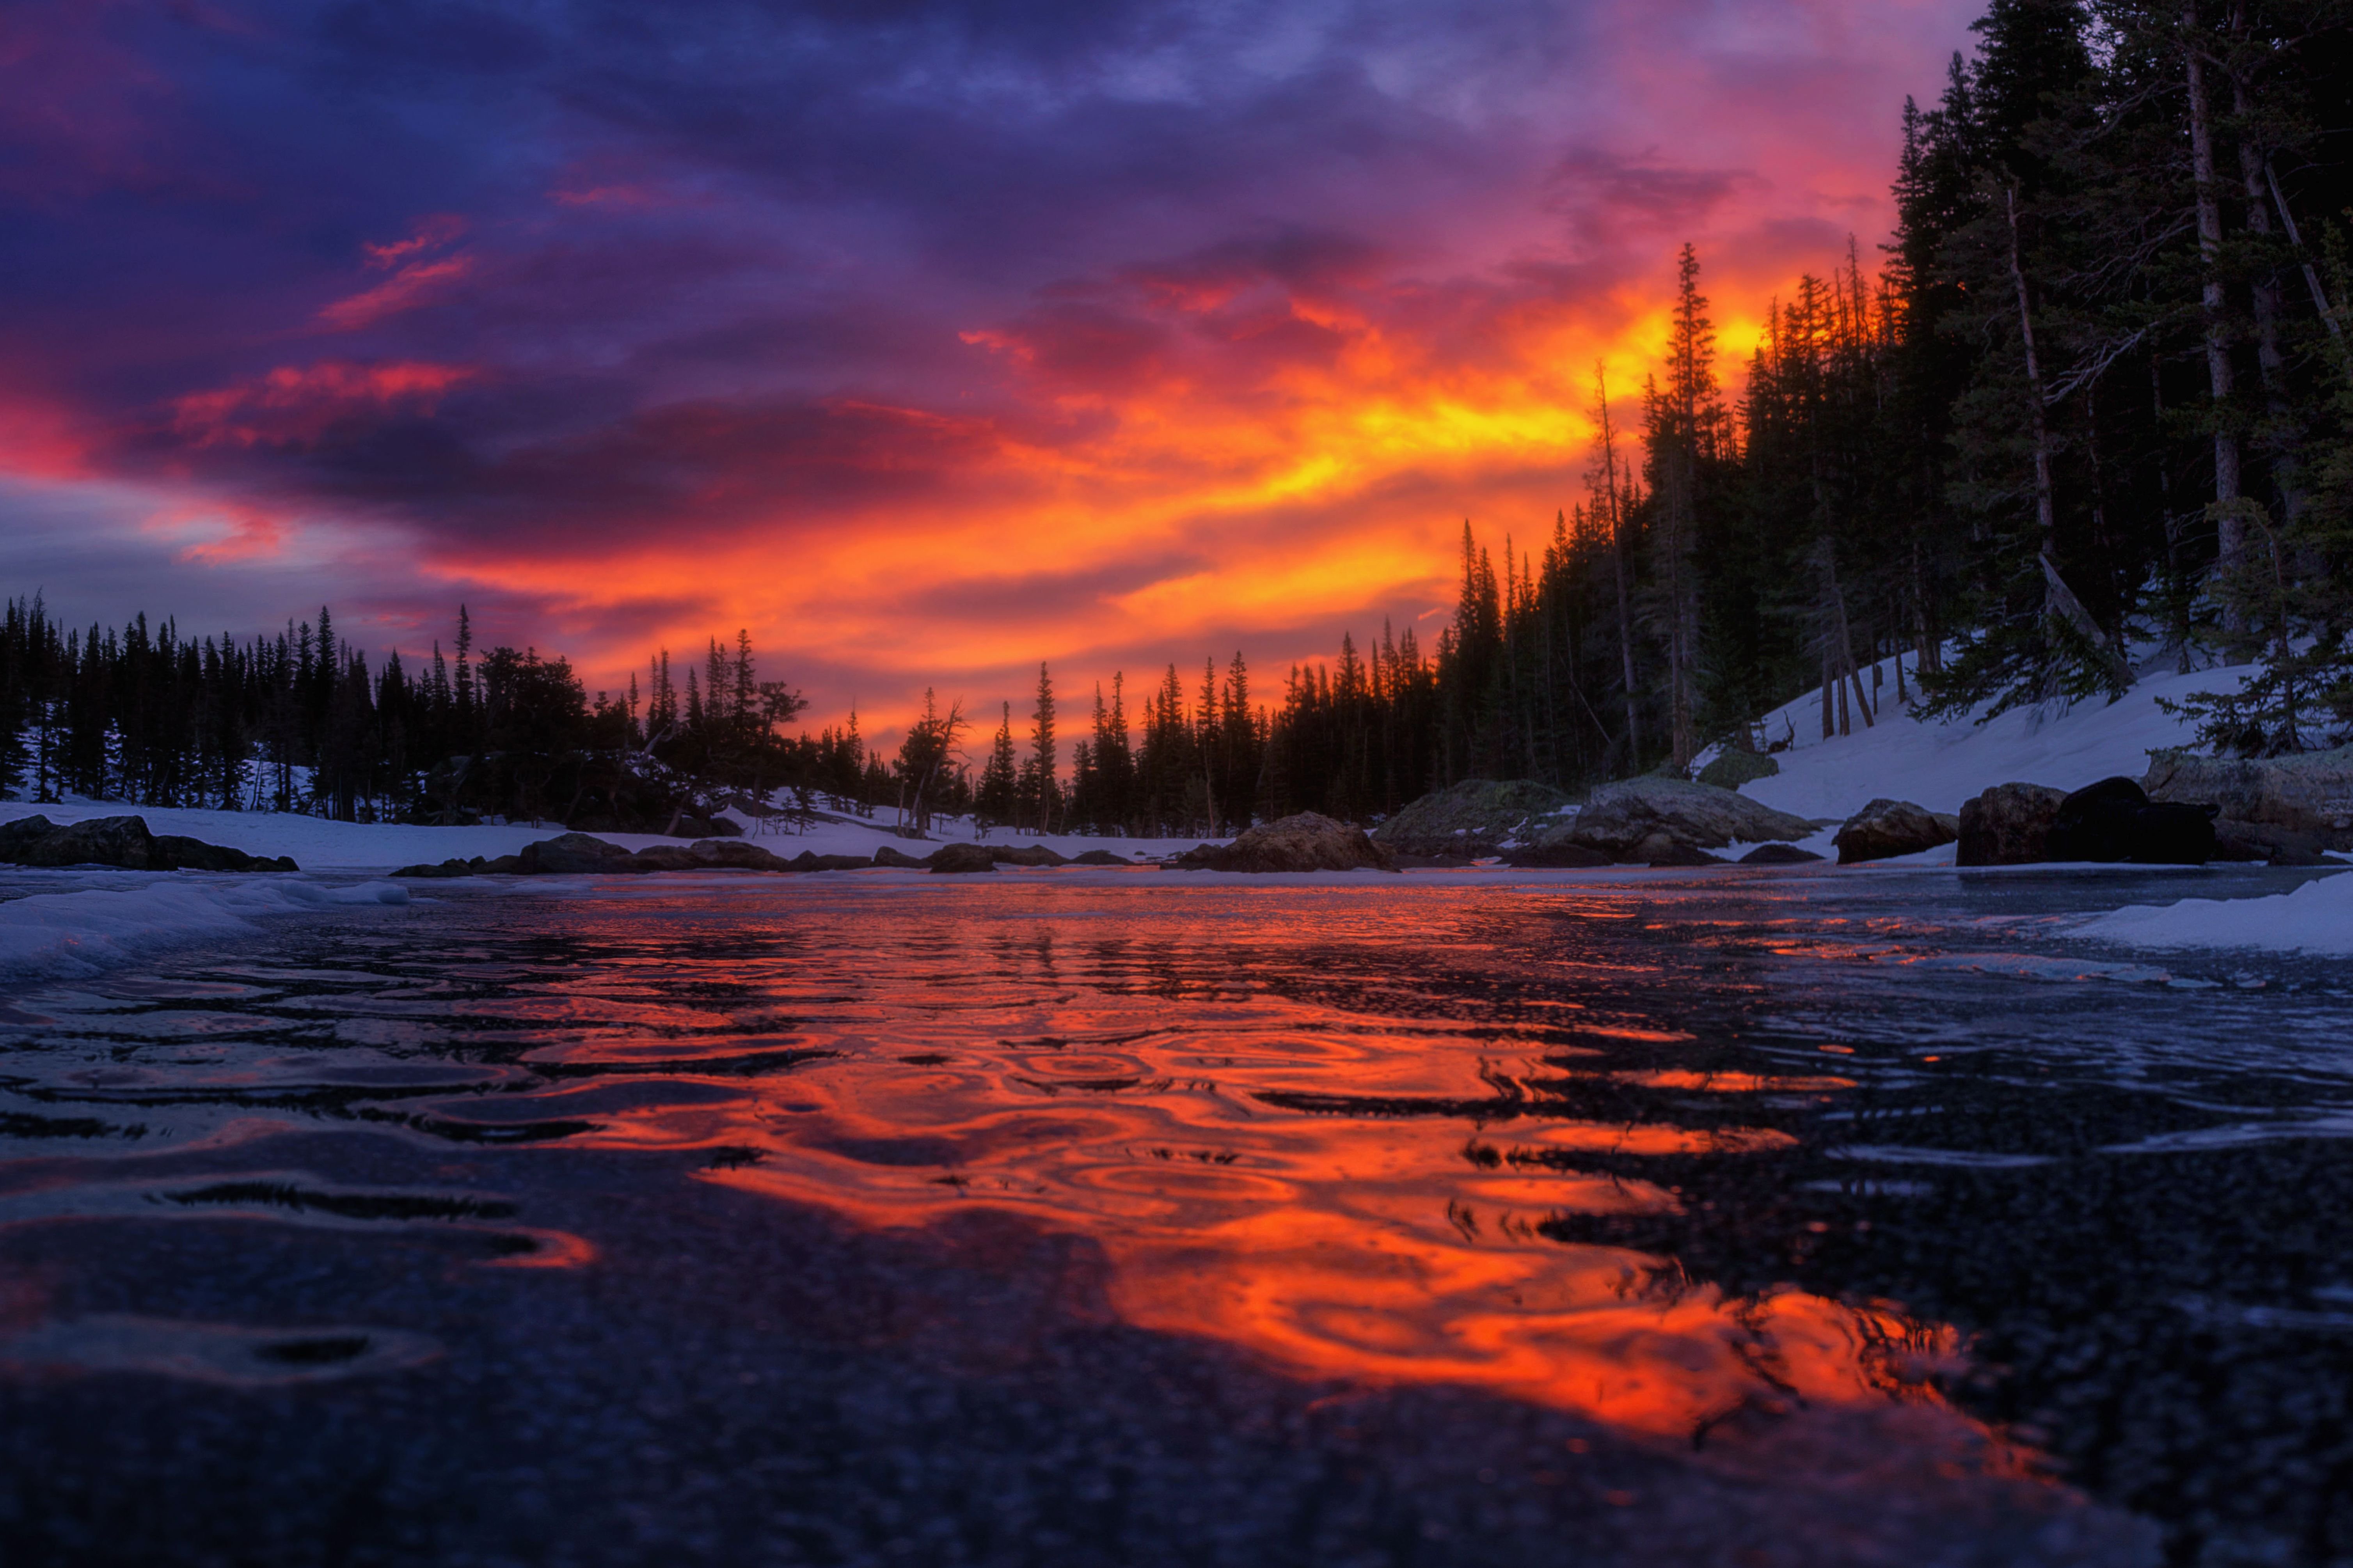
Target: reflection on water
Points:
x,y
1681,1157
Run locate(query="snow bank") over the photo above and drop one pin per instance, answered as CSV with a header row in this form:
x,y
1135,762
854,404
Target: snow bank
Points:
x,y
1940,765
318,845
2317,918
83,933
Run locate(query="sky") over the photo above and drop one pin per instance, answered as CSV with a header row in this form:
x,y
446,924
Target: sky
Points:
x,y
925,340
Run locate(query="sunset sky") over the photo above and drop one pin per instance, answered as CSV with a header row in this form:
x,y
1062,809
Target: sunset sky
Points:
x,y
926,341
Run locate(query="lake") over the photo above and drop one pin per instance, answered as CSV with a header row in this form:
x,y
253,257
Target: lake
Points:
x,y
1124,1217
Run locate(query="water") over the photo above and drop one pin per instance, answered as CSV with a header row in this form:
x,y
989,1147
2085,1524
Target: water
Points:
x,y
1118,1217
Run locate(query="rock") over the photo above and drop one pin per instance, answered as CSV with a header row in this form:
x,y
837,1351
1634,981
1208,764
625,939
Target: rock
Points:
x,y
1476,818
123,842
1559,855
450,867
1778,855
2009,824
1305,842
887,856
1028,854
1102,858
1434,862
575,854
808,861
175,852
2095,823
2310,792
1664,821
1664,849
959,859
2173,833
1734,768
1887,829
2235,840
729,854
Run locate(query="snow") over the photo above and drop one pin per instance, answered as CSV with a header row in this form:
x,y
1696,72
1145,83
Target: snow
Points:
x,y
319,845
2317,918
82,932
1939,765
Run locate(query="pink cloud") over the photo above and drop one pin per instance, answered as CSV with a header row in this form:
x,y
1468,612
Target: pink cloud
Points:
x,y
294,404
412,285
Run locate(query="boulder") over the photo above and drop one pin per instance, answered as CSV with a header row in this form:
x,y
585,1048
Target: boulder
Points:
x,y
1026,854
886,856
2235,840
2309,793
575,854
1476,818
123,842
1305,842
704,827
2009,824
2113,820
1558,854
957,860
1102,858
731,854
1666,821
807,860
1778,855
1887,829
451,868
179,853
1733,768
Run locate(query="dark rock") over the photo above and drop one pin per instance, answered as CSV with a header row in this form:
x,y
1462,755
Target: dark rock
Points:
x,y
665,858
2309,793
887,856
2235,840
1559,855
1667,849
808,861
21,835
450,867
121,841
575,854
1778,855
174,852
1200,857
727,855
2095,823
1102,858
959,859
1434,862
1476,818
1666,821
2172,833
1886,829
1028,854
1734,768
1305,842
2009,824
693,827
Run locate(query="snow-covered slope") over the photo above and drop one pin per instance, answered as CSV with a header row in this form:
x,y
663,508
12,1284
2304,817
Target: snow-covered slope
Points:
x,y
1939,765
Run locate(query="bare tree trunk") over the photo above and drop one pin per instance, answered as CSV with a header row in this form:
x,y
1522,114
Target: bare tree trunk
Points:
x,y
2281,436
1617,566
2303,257
2231,546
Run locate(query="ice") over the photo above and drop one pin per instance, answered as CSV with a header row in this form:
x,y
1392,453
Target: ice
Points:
x,y
2317,918
83,933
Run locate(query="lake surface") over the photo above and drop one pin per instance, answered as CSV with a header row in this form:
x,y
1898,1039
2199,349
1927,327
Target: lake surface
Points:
x,y
1107,1218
